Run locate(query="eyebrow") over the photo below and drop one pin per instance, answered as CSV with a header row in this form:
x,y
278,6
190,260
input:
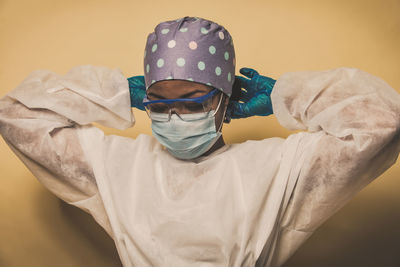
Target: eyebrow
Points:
x,y
187,95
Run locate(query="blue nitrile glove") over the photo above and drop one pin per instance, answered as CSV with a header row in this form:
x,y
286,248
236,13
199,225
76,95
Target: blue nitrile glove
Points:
x,y
256,99
137,89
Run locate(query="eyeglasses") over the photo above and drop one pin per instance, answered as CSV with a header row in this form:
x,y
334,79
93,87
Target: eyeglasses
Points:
x,y
161,110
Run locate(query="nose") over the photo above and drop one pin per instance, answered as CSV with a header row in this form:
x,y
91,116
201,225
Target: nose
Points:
x,y
176,112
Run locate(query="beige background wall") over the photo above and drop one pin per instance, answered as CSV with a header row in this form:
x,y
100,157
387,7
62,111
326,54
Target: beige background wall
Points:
x,y
37,229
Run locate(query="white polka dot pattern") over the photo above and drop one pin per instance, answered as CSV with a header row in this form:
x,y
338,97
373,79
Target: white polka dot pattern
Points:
x,y
212,49
218,71
226,55
192,49
160,62
180,62
171,44
201,65
204,30
193,45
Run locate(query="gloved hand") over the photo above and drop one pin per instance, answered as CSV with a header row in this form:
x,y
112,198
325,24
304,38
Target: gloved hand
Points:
x,y
137,89
256,99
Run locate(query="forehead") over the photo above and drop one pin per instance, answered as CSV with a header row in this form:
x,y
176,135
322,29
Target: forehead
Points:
x,y
176,87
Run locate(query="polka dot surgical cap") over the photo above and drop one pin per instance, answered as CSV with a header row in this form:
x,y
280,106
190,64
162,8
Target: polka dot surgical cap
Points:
x,y
193,49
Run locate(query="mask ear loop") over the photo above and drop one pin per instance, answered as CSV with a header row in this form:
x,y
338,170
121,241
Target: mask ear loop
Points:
x,y
219,104
223,116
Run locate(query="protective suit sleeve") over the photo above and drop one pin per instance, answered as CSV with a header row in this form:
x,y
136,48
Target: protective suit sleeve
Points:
x,y
353,123
41,117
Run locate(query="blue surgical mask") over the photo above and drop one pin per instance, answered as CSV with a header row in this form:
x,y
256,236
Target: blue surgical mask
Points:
x,y
188,138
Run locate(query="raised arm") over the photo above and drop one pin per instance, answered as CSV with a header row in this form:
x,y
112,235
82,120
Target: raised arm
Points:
x,y
353,123
40,120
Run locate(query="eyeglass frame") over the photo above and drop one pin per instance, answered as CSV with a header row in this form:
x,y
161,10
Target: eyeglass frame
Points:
x,y
198,100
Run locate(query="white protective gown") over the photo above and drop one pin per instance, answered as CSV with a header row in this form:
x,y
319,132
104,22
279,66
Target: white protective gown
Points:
x,y
248,204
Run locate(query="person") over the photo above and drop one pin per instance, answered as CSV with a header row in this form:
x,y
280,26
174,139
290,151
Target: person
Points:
x,y
182,197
